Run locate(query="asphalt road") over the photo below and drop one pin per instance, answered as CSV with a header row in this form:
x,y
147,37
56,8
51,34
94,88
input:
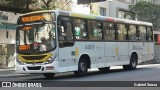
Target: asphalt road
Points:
x,y
147,73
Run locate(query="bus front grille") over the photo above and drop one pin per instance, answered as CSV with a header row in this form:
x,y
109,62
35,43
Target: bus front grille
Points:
x,y
34,57
34,68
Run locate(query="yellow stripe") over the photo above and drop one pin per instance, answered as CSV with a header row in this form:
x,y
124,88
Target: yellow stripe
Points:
x,y
116,51
48,55
77,52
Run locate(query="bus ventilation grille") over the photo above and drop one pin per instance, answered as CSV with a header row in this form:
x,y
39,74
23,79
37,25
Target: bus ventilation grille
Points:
x,y
34,57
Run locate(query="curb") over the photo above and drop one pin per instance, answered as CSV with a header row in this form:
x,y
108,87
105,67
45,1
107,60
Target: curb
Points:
x,y
17,75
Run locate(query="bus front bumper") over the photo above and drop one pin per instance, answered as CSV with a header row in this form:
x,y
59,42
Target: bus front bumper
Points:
x,y
34,69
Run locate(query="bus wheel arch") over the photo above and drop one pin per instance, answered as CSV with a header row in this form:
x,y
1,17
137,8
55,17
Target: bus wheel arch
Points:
x,y
83,65
88,60
133,62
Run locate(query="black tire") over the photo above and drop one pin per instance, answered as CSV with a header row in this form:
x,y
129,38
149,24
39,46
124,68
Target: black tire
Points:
x,y
82,67
133,63
105,69
49,75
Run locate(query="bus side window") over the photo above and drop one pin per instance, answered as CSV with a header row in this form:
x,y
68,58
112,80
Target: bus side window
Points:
x,y
149,35
109,31
95,30
62,31
69,32
132,33
142,32
65,31
80,29
122,32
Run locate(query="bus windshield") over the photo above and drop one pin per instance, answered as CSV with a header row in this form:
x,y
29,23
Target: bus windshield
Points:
x,y
36,33
36,38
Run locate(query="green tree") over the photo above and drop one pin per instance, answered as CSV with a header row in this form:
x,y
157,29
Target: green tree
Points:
x,y
56,4
22,5
147,11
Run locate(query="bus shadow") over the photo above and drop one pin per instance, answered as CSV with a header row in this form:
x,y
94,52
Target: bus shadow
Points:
x,y
70,75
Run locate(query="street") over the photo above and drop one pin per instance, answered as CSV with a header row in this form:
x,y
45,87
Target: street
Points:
x,y
150,72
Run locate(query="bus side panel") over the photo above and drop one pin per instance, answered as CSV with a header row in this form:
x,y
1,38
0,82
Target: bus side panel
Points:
x,y
123,53
150,50
111,53
67,59
144,51
136,47
95,50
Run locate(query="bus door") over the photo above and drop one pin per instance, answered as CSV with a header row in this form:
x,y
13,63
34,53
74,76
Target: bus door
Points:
x,y
66,45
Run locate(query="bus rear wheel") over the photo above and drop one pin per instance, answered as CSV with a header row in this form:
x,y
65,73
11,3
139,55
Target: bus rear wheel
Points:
x,y
82,68
105,69
133,63
49,75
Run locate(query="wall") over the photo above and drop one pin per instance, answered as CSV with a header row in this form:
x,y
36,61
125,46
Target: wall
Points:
x,y
115,6
96,7
10,39
112,7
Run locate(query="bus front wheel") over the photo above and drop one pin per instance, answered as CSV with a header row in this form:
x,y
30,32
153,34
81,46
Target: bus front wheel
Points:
x,y
82,68
49,75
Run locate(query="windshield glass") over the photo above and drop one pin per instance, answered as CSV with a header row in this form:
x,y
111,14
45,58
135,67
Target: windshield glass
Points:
x,y
36,38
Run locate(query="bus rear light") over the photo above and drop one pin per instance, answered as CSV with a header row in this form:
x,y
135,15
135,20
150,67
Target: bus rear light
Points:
x,y
49,68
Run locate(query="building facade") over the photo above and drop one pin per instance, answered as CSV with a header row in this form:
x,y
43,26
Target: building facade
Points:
x,y
7,38
116,8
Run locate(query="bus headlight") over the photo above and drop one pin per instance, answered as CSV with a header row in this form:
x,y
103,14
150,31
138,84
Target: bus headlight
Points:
x,y
19,61
51,59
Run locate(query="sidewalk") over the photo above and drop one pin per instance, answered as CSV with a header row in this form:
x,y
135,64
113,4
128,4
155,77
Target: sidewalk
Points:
x,y
10,72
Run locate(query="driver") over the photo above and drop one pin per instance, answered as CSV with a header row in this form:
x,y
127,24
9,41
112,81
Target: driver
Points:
x,y
43,44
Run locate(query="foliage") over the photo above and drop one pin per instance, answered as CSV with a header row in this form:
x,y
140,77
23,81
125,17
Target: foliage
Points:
x,y
22,5
56,4
147,11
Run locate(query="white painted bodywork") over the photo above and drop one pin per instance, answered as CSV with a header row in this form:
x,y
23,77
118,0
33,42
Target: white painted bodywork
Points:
x,y
101,54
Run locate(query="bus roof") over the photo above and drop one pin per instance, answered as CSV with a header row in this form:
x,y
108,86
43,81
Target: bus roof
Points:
x,y
96,17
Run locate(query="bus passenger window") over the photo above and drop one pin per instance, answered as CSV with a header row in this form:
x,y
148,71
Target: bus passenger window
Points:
x,y
149,36
80,31
65,31
95,30
62,33
132,33
142,33
109,31
122,32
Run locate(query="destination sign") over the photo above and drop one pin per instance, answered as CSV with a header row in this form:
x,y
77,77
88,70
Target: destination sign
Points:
x,y
32,18
36,17
24,47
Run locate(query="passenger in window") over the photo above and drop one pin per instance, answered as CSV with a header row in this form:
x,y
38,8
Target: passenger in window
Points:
x,y
43,44
62,33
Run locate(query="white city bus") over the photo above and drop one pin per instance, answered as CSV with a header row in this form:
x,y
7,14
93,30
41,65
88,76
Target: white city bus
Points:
x,y
50,42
